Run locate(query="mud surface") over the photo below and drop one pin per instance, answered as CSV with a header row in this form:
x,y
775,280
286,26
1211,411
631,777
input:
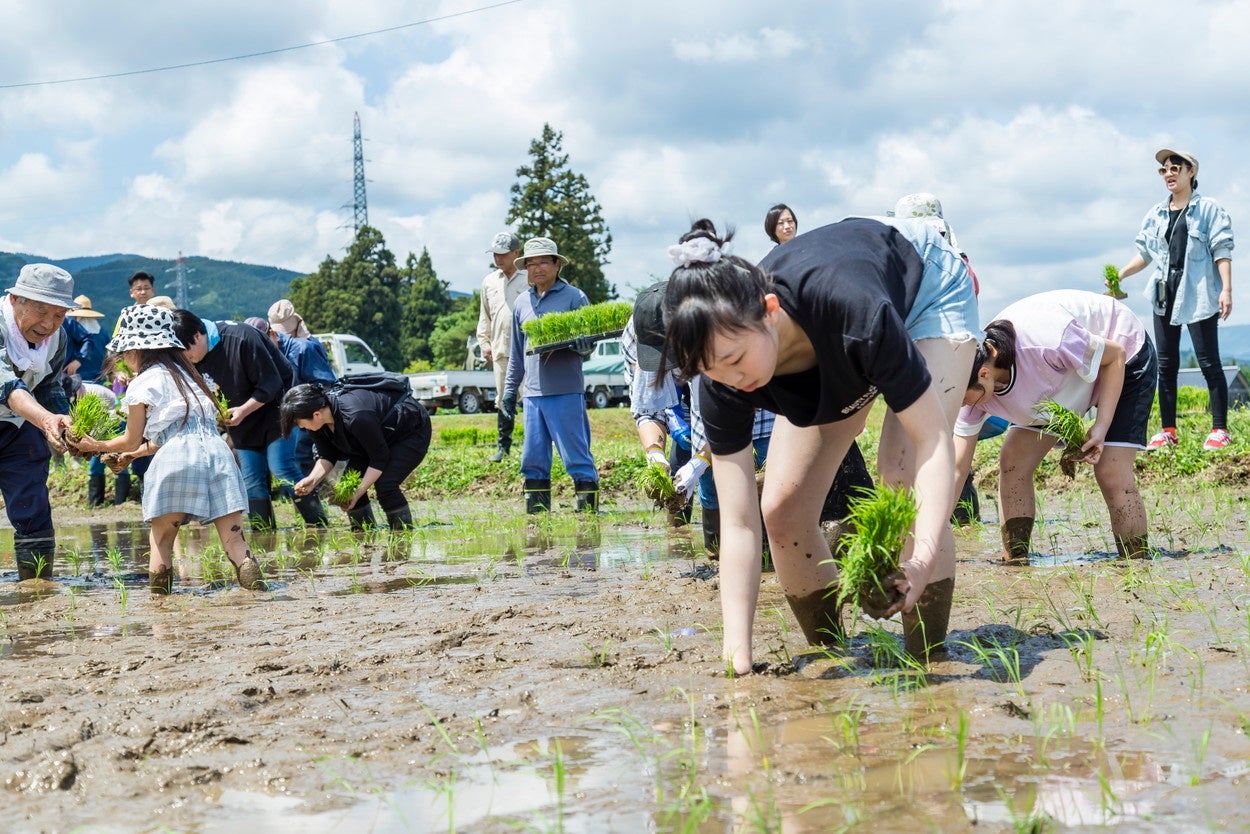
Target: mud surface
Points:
x,y
477,678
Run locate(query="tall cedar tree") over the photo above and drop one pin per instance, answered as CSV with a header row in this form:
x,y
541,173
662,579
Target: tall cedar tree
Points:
x,y
551,201
449,339
425,299
359,294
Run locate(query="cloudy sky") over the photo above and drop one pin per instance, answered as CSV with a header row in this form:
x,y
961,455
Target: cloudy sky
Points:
x,y
1034,122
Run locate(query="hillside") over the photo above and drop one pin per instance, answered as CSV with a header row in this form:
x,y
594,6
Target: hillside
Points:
x,y
217,289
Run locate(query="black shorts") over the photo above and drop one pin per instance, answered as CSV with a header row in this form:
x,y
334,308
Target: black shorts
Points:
x,y
1132,412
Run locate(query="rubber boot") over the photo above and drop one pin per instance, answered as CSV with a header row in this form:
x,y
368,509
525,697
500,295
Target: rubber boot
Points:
x,y
121,488
504,425
711,532
1133,547
260,514
33,554
360,517
924,627
95,490
1017,533
819,616
161,582
311,510
587,496
537,496
968,508
399,518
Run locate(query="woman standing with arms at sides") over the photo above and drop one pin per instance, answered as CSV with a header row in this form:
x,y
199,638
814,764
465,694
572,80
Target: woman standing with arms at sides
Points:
x,y
780,224
193,476
1189,239
823,325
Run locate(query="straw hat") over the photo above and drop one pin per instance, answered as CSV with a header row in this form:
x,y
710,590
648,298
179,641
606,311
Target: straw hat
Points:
x,y
84,310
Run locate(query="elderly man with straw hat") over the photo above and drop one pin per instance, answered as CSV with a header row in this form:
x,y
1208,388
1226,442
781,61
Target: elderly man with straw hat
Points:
x,y
32,407
85,353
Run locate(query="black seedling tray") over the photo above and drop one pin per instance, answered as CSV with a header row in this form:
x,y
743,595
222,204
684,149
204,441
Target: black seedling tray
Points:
x,y
568,343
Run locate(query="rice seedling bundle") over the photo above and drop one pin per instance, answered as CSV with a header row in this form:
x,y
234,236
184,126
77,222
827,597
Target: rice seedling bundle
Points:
x,y
606,319
1112,275
1067,425
880,519
657,484
346,487
90,416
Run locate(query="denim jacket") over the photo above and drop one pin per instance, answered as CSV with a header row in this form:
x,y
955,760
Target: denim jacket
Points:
x,y
1210,239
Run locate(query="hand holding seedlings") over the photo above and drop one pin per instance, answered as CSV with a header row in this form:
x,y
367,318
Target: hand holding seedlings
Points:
x,y
1111,278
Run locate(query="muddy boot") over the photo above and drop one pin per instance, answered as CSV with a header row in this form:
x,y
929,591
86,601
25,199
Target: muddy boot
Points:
x,y
924,628
819,616
399,518
711,532
161,582
95,490
248,574
537,496
1017,533
33,554
310,509
968,508
260,514
504,425
1133,547
121,489
587,496
360,517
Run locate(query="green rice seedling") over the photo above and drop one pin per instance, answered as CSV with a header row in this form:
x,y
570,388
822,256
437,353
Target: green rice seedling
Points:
x,y
1070,428
1111,273
123,593
603,319
91,416
882,519
114,556
655,482
346,487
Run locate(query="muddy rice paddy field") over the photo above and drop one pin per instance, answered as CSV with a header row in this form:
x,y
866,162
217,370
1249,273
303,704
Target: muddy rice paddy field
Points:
x,y
490,673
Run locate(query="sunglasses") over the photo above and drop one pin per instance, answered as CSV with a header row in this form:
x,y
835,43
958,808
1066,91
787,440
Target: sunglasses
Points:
x,y
1170,169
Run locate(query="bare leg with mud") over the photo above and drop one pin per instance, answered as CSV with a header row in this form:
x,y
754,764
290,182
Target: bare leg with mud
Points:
x,y
1022,451
162,538
1116,479
246,569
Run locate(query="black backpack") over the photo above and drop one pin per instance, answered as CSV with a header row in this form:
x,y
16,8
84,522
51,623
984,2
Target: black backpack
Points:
x,y
384,382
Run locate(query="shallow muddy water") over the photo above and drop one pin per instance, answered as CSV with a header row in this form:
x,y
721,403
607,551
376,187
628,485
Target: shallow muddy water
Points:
x,y
482,674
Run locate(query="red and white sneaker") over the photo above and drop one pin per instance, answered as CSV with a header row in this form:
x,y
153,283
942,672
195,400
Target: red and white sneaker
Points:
x,y
1217,439
1163,438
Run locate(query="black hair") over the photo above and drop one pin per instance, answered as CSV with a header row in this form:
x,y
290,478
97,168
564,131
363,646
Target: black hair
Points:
x,y
1180,160
706,297
1000,335
174,360
141,276
774,214
187,325
300,403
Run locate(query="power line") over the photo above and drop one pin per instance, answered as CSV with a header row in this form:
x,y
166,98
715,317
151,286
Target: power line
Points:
x,y
260,54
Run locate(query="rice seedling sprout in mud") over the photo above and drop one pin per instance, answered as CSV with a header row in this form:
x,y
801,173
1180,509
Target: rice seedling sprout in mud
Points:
x,y
1111,273
881,519
345,488
91,416
609,317
1070,428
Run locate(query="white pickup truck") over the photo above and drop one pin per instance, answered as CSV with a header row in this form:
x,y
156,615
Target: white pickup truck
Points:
x,y
474,391
349,354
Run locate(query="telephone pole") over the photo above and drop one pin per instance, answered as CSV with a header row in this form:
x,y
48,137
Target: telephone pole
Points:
x,y
361,201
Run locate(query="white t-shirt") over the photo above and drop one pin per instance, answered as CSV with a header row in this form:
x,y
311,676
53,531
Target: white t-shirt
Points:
x,y
167,406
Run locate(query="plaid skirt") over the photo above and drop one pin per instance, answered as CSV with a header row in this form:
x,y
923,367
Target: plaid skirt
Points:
x,y
194,472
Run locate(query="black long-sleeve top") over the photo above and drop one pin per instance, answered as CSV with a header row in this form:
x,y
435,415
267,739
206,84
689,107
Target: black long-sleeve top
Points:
x,y
247,365
366,424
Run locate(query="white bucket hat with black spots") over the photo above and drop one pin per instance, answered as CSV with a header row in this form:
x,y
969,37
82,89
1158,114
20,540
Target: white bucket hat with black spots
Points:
x,y
144,327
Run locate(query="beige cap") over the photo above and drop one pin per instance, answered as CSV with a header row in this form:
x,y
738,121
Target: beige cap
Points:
x,y
283,317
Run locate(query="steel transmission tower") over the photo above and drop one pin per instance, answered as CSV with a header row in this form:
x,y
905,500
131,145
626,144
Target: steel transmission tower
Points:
x,y
361,201
181,284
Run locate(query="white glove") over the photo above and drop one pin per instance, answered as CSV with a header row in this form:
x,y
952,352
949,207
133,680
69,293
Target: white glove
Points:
x,y
657,457
687,477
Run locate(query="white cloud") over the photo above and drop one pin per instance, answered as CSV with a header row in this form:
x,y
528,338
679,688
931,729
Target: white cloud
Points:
x,y
768,44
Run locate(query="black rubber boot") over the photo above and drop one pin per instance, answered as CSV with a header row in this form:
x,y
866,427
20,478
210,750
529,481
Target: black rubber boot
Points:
x,y
537,496
819,616
361,517
399,518
968,508
711,532
95,490
587,496
121,489
260,514
1017,533
311,510
924,628
33,554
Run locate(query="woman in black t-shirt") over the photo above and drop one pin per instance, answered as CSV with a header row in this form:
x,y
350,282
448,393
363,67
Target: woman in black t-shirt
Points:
x,y
824,324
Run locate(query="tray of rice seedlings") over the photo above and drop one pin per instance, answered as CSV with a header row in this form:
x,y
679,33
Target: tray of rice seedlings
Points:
x,y
1067,425
560,330
346,487
90,416
657,484
1112,275
880,520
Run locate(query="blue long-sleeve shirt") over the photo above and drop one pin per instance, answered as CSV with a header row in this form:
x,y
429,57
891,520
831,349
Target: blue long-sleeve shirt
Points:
x,y
308,359
552,372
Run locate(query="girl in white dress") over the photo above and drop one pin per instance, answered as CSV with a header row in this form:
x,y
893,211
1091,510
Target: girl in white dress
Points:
x,y
193,476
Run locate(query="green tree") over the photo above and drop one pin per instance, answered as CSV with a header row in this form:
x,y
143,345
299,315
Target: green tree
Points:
x,y
425,298
449,338
550,200
359,295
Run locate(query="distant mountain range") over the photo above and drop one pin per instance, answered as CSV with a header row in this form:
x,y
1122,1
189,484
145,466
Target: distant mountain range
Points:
x,y
216,289
1235,343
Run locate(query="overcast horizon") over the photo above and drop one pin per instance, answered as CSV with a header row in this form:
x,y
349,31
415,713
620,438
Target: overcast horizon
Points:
x,y
1035,124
